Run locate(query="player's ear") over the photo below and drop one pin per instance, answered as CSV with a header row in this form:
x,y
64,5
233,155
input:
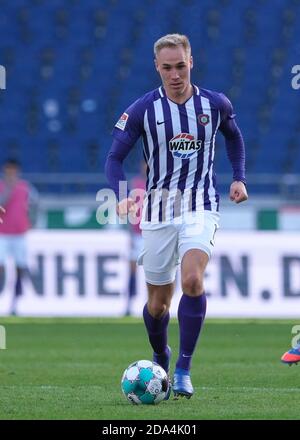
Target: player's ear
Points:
x,y
156,65
191,62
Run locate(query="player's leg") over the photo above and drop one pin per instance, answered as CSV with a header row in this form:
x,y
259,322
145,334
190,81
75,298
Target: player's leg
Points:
x,y
192,306
18,290
4,251
131,286
191,315
18,250
3,255
136,249
156,318
2,275
159,258
20,273
196,241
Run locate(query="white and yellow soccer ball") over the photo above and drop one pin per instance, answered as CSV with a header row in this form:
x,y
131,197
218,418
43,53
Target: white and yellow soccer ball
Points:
x,y
145,382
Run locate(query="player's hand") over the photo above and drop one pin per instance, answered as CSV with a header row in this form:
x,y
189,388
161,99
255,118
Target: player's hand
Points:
x,y
238,192
2,211
126,206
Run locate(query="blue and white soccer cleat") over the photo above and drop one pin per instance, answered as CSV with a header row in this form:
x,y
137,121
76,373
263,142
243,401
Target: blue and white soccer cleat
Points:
x,y
182,385
164,361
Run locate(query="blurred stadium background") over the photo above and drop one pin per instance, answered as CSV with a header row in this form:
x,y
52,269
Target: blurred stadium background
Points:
x,y
73,66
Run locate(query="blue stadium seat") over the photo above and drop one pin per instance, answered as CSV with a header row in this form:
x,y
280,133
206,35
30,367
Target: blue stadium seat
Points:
x,y
95,58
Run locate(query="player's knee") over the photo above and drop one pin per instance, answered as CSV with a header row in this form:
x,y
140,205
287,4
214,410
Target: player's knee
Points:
x,y
157,309
192,284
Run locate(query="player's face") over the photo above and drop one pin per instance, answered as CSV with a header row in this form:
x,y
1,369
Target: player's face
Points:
x,y
11,172
174,65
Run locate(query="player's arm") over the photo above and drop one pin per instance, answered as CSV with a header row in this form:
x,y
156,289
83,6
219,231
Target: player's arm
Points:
x,y
115,174
2,211
235,150
126,132
4,198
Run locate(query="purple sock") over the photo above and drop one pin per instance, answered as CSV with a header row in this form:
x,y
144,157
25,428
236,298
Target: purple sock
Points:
x,y
191,314
157,330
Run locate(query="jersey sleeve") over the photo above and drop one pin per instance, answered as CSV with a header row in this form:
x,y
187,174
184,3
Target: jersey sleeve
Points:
x,y
233,139
226,109
113,166
129,127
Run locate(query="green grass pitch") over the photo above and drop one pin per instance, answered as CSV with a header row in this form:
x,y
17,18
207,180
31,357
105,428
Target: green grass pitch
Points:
x,y
71,369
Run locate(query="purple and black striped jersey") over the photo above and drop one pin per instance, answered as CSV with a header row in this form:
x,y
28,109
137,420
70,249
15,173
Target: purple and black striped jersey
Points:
x,y
179,148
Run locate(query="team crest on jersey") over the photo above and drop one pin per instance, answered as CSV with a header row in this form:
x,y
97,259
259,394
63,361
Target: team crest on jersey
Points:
x,y
121,124
184,145
203,119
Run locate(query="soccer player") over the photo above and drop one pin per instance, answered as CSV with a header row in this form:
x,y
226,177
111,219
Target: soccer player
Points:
x,y
19,199
178,123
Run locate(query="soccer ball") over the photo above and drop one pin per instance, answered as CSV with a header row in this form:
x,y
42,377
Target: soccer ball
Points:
x,y
145,382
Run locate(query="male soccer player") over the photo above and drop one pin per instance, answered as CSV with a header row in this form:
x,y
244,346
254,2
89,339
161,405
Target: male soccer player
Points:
x,y
19,199
178,123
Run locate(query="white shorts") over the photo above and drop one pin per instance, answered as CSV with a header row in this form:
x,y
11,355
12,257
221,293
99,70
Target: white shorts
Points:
x,y
136,246
14,246
165,247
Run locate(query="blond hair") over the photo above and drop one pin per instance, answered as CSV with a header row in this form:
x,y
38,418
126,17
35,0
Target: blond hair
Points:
x,y
172,40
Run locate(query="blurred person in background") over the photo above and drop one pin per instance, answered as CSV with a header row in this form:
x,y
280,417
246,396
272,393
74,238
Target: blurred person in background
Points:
x,y
20,201
2,212
138,182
